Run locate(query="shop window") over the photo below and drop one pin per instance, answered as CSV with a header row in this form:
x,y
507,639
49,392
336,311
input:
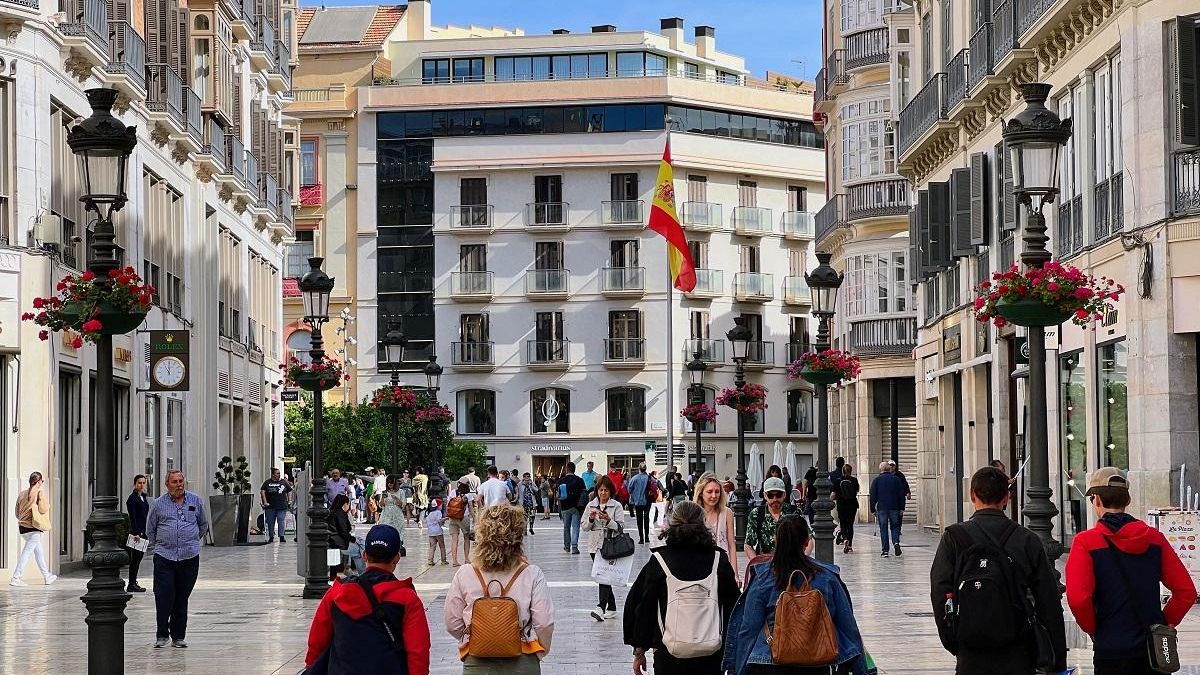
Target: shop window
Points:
x,y
1073,479
550,411
1113,393
476,412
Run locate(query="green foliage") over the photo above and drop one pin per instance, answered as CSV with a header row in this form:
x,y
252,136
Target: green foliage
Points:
x,y
463,454
232,476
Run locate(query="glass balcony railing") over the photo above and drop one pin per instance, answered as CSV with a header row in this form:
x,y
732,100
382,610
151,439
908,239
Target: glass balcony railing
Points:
x,y
548,214
471,283
622,279
709,282
710,351
796,291
473,216
547,282
751,220
798,225
547,352
621,212
700,214
753,286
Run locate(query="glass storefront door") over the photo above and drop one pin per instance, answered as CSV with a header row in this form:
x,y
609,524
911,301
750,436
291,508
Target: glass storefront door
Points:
x,y
1072,481
1112,391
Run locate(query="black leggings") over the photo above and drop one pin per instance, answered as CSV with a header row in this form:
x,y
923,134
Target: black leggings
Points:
x,y
846,518
608,599
642,515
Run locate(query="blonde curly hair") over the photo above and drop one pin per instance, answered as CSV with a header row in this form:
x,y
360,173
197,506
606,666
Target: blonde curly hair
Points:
x,y
703,482
499,535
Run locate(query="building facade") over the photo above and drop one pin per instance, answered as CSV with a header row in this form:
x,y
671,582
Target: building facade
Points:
x,y
204,85
504,190
1124,392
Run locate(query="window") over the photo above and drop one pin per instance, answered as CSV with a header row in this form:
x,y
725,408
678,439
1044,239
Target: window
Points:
x,y
625,324
868,143
623,253
797,198
1073,448
557,67
476,412
947,18
626,409
7,160
699,251
800,411
798,336
624,187
697,188
860,14
926,46
1107,149
747,193
162,241
548,255
298,253
66,186
435,71
710,396
903,78
797,262
1113,393
726,77
692,71
308,161
229,303
472,191
640,64
876,284
750,260
472,258
550,411
548,206
468,70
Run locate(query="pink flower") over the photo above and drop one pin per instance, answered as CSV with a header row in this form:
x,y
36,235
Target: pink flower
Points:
x,y
38,303
44,335
77,342
1083,293
1052,286
91,326
1081,314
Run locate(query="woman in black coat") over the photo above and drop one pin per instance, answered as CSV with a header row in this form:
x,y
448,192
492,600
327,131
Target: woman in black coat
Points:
x,y
341,532
689,555
846,498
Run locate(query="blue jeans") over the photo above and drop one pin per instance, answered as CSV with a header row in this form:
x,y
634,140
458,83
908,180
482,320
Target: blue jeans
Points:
x,y
571,518
273,517
889,521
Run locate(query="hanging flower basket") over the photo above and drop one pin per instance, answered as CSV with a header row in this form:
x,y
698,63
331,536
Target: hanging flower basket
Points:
x,y
748,398
435,414
320,375
1046,296
93,307
390,397
699,413
826,367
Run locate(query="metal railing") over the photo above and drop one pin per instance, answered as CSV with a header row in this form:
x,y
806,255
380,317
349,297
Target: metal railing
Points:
x,y
709,282
546,213
472,353
248,15
283,62
956,79
269,192
1008,252
546,352
1108,202
286,211
831,216
1185,183
835,69
982,63
874,337
547,281
164,91
798,225
701,214
866,48
796,290
752,220
877,198
476,282
252,172
760,353
922,112
191,109
1069,227
214,142
471,216
797,349
1004,31
622,279
127,53
87,19
1030,12
264,39
754,285
621,211
820,90
235,157
710,351
624,350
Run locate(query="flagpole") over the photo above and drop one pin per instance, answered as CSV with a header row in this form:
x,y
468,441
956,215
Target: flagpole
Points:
x,y
670,340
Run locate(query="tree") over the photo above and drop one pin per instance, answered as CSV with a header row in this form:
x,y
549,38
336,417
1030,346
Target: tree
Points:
x,y
463,454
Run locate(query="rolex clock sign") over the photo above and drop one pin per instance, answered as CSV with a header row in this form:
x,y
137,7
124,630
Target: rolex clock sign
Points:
x,y
169,360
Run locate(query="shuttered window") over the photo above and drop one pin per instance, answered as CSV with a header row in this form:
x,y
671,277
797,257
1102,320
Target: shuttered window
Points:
x,y
1006,201
940,226
979,200
960,213
1187,81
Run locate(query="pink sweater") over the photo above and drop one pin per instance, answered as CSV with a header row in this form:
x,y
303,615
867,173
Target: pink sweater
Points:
x,y
530,591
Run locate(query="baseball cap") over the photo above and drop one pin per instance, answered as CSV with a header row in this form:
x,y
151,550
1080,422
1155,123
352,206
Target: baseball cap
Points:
x,y
1106,477
370,469
773,484
383,543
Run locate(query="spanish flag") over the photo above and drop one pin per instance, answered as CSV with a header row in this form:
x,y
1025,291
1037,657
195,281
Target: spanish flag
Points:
x,y
665,221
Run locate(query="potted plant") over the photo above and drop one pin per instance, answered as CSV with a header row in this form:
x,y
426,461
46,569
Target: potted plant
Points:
x,y
92,306
435,414
825,367
320,375
748,398
394,397
1045,296
699,414
230,510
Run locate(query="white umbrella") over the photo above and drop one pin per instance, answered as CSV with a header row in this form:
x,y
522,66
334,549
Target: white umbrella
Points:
x,y
755,473
777,457
790,461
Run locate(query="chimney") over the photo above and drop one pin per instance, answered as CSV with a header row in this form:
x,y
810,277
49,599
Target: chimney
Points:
x,y
606,28
559,31
419,19
672,28
706,41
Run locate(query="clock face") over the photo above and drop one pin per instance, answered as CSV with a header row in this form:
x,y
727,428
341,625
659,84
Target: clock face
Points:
x,y
169,372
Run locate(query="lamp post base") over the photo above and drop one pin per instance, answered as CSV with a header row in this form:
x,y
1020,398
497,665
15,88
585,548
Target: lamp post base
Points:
x,y
823,518
317,581
106,597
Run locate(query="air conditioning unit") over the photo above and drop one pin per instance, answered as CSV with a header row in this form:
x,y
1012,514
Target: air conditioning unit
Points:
x,y
49,230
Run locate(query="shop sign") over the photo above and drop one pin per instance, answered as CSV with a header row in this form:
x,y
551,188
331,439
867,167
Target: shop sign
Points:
x,y
1022,344
170,360
289,395
952,345
550,449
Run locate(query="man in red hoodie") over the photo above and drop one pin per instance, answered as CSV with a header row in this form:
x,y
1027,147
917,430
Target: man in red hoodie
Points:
x,y
1113,576
373,624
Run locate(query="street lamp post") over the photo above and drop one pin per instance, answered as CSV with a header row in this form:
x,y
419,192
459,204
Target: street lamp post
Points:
x,y
102,143
394,343
1035,138
433,380
696,368
739,341
315,289
824,282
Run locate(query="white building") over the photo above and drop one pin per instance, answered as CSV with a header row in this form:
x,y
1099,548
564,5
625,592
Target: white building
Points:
x,y
204,85
505,183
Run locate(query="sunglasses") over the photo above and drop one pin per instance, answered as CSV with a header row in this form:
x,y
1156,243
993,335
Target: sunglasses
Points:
x,y
774,495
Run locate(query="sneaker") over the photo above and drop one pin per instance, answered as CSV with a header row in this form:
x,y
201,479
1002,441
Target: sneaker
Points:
x,y
134,588
179,644
883,555
566,549
160,643
270,540
610,614
597,614
51,579
574,551
17,582
898,550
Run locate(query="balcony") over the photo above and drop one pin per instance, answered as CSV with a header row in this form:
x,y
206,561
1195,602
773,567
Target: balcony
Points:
x,y
700,216
252,178
1004,31
195,118
796,291
624,352
831,217
798,225
1185,183
760,355
623,282
473,217
126,67
753,287
164,96
710,351
925,110
1069,227
268,195
312,195
709,284
622,213
751,221
548,354
279,77
286,209
85,26
547,215
547,284
213,150
883,337
472,355
262,47
866,48
819,91
982,63
19,11
235,158
877,199
1029,12
475,286
835,73
797,349
243,24
1110,207
956,80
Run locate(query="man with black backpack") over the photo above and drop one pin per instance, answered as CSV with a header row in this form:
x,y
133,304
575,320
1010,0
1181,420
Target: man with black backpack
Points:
x,y
374,624
995,597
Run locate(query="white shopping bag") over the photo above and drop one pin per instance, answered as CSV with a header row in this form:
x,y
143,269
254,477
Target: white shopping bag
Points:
x,y
612,572
289,522
137,543
333,557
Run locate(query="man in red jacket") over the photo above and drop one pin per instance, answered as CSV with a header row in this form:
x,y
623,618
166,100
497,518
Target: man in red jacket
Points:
x,y
349,635
1113,576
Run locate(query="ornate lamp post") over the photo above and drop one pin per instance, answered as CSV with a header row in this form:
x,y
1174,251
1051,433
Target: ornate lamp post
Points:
x,y
102,143
739,342
696,368
394,343
1035,138
824,282
433,381
315,289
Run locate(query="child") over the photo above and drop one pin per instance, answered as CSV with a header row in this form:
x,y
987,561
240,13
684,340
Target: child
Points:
x,y
433,527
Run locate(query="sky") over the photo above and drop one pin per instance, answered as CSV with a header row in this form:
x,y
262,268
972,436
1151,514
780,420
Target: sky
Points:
x,y
769,34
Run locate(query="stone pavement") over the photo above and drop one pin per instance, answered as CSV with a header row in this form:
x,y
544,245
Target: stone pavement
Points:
x,y
247,617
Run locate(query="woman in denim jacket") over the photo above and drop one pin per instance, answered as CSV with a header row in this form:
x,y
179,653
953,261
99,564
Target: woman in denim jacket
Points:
x,y
746,648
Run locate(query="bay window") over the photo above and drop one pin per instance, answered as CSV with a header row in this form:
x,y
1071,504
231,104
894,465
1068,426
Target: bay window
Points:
x,y
868,141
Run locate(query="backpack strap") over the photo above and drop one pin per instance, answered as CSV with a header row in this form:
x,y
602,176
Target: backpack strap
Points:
x,y
505,589
483,584
394,635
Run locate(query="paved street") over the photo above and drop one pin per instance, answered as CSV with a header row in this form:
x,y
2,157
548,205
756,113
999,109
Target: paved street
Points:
x,y
247,619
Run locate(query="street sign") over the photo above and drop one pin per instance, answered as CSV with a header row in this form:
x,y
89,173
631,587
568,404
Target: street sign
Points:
x,y
289,395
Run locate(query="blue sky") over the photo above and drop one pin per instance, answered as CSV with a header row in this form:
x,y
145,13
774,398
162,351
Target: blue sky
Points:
x,y
770,34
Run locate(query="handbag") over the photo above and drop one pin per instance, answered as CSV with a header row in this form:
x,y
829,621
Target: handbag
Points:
x,y
617,544
1162,642
612,572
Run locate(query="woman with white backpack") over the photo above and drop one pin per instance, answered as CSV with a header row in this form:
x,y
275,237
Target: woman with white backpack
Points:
x,y
681,600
